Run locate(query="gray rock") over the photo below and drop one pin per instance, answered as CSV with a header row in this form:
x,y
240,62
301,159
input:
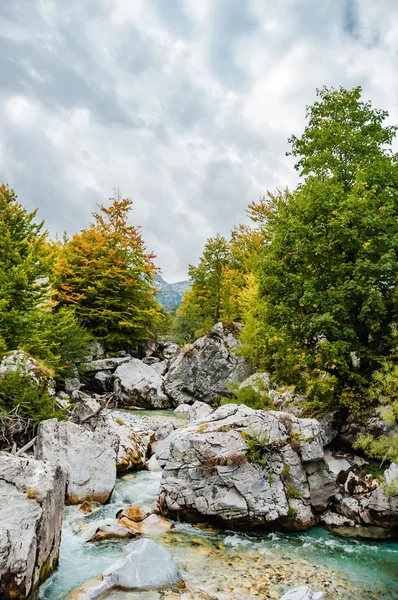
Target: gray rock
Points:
x,y
383,502
244,466
199,410
203,369
31,509
103,382
329,427
18,360
72,384
303,593
62,399
332,519
140,385
322,484
161,367
182,409
107,364
258,381
170,351
146,565
87,457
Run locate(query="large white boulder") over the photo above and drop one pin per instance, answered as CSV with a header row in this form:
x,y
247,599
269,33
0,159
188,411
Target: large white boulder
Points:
x,y
146,565
87,457
246,467
203,369
140,385
31,508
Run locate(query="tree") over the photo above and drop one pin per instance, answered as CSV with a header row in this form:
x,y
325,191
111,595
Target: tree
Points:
x,y
105,273
327,269
23,267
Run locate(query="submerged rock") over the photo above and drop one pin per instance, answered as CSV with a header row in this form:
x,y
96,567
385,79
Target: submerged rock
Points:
x,y
111,532
203,369
140,385
303,593
145,566
31,508
87,457
151,525
246,467
135,513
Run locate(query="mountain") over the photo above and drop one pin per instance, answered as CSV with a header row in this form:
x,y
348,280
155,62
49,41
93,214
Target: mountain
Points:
x,y
170,294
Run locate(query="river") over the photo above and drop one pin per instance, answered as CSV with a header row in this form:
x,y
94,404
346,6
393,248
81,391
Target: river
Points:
x,y
226,564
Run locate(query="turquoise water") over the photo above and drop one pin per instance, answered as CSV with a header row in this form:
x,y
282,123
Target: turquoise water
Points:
x,y
226,564
367,570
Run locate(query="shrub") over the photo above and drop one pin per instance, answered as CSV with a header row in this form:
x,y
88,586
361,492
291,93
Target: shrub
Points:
x,y
257,399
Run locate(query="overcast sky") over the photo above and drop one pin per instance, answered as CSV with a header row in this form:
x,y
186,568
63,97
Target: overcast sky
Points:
x,y
185,105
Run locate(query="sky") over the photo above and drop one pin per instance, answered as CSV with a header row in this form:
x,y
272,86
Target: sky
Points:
x,y
185,106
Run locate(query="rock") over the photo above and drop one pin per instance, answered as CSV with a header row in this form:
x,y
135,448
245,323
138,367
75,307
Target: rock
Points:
x,y
337,465
140,385
153,464
161,367
96,349
371,532
62,400
383,502
331,519
303,593
146,565
151,360
373,424
288,401
135,513
244,467
72,384
183,409
103,382
258,381
170,350
330,426
88,506
31,509
111,532
152,525
107,364
18,360
322,484
199,410
87,457
130,442
203,369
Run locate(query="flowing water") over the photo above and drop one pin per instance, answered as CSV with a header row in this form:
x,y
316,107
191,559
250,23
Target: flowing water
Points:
x,y
227,564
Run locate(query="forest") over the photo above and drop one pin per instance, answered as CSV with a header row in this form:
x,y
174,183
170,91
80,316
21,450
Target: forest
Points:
x,y
312,279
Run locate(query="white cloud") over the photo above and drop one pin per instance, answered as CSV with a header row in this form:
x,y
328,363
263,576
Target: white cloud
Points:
x,y
185,106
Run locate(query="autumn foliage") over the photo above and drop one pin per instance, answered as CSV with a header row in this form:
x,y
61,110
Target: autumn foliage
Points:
x,y
105,273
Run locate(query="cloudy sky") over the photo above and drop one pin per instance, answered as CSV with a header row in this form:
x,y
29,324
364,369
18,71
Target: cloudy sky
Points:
x,y
184,105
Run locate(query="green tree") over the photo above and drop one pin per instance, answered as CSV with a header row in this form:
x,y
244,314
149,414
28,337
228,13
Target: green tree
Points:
x,y
327,270
24,266
105,273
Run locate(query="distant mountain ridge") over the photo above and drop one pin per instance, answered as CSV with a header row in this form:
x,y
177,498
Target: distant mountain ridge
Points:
x,y
170,294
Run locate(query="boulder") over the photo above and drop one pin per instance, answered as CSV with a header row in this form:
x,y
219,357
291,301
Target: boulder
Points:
x,y
87,457
151,525
383,502
183,409
170,350
103,382
199,410
18,360
111,532
258,381
322,484
203,369
331,519
31,509
72,384
161,367
130,441
106,364
135,513
303,593
145,566
140,385
244,467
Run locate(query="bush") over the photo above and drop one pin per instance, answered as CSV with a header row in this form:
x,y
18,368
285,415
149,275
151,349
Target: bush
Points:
x,y
257,399
24,402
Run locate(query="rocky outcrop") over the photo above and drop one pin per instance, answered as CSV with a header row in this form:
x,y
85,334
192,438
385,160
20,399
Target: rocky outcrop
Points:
x,y
87,457
246,467
31,509
130,439
20,361
146,565
140,385
203,369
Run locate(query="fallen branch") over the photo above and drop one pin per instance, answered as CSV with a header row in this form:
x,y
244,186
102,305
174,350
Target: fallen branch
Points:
x,y
27,447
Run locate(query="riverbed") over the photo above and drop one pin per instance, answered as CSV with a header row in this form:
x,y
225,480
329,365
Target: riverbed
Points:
x,y
227,564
